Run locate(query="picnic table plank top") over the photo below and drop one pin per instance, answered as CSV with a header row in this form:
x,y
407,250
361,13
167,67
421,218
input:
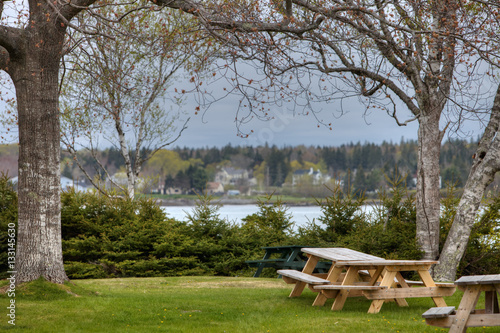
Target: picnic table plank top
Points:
x,y
387,262
340,254
478,279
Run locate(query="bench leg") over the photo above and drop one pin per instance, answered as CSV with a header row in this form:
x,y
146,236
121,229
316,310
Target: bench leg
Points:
x,y
467,305
426,278
333,276
491,302
308,268
350,277
402,282
387,281
259,270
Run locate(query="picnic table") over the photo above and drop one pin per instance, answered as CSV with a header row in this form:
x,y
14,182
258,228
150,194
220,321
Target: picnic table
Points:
x,y
382,279
315,255
284,257
387,283
467,315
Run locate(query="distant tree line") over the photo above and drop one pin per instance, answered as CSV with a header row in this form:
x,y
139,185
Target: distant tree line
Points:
x,y
362,165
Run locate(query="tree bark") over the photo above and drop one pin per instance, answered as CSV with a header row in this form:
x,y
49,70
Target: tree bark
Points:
x,y
34,70
427,196
486,165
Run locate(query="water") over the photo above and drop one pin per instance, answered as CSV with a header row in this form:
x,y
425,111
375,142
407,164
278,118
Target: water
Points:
x,y
301,215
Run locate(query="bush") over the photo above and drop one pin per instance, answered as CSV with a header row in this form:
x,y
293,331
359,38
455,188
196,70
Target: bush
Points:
x,y
392,232
389,233
110,236
272,224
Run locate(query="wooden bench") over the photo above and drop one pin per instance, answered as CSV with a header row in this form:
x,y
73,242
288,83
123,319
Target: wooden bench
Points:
x,y
292,276
467,315
436,312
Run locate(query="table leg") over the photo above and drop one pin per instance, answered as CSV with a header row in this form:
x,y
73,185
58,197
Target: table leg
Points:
x,y
429,282
467,305
333,276
350,277
401,280
376,275
387,281
261,266
491,302
308,268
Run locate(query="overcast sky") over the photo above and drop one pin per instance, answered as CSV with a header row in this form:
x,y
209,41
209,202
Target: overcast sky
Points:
x,y
217,128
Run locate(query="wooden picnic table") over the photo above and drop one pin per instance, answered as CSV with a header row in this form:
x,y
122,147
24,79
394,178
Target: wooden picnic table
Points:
x,y
284,257
467,315
315,255
384,281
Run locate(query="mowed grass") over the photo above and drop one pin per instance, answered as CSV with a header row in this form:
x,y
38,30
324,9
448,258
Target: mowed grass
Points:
x,y
201,304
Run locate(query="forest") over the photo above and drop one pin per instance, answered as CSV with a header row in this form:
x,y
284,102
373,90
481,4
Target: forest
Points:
x,y
363,166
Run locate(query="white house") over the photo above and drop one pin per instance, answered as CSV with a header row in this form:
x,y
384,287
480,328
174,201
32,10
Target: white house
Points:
x,y
317,178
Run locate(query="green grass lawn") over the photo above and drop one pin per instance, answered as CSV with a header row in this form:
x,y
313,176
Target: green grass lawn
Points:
x,y
201,304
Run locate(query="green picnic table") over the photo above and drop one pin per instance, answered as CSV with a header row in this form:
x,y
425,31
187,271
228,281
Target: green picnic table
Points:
x,y
284,257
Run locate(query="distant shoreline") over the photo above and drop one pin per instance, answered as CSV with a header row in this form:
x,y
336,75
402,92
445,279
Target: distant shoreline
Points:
x,y
225,201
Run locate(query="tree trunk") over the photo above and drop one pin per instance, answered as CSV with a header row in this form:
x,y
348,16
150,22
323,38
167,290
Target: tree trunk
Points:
x,y
486,165
427,197
458,237
34,71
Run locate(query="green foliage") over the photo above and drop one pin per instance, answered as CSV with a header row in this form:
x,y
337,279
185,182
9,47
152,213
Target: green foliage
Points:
x,y
341,216
483,249
100,233
8,216
113,237
272,223
392,233
388,233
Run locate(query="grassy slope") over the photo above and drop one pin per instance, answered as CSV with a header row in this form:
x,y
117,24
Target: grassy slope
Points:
x,y
201,304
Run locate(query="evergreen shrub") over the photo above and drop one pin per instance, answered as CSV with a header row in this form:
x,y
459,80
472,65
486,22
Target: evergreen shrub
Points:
x,y
389,232
118,237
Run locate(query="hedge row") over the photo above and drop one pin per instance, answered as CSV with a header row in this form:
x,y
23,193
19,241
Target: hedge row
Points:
x,y
115,237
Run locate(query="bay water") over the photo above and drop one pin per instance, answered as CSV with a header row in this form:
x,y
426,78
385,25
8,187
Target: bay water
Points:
x,y
301,215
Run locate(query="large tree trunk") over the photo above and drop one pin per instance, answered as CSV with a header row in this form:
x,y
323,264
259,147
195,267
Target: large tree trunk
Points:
x,y
486,165
458,237
34,71
427,197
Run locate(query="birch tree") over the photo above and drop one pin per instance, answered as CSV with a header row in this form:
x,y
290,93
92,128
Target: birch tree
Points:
x,y
115,90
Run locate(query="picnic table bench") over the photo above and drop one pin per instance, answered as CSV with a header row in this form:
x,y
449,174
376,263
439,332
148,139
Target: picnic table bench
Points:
x,y
467,315
284,257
